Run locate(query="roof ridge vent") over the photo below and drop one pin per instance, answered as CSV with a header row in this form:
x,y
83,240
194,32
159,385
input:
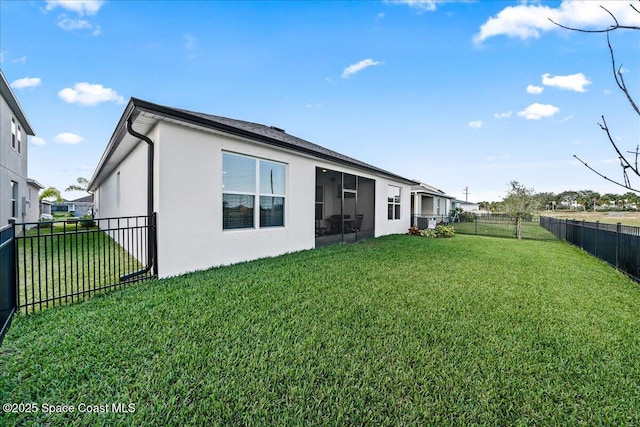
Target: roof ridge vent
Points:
x,y
277,128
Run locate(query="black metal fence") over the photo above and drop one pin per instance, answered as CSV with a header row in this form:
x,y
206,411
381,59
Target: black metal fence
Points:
x,y
8,301
492,225
68,261
616,244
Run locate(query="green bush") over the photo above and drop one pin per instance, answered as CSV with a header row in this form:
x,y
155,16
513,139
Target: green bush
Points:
x,y
428,233
439,231
467,217
87,221
445,231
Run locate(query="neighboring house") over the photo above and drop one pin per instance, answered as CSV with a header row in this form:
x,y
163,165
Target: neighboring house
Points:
x,y
15,201
45,210
473,208
80,207
227,191
429,202
33,209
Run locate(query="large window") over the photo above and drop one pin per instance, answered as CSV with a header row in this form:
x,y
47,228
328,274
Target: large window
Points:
x,y
247,180
393,202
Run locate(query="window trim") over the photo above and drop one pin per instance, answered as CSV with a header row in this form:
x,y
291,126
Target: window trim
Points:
x,y
257,194
14,199
13,133
394,206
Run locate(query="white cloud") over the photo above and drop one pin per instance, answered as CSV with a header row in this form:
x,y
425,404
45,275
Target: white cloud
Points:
x,y
575,82
69,24
537,111
355,68
34,140
68,138
534,89
26,82
313,106
505,115
419,5
81,7
21,60
476,124
526,21
89,94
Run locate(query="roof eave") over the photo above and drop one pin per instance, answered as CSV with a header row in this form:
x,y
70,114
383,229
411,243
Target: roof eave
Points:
x,y
12,100
201,121
137,106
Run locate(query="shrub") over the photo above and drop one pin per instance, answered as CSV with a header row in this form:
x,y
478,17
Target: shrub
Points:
x,y
428,233
87,221
414,231
444,231
439,231
467,217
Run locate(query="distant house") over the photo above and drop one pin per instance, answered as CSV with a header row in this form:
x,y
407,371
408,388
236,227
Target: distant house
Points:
x,y
79,207
18,197
471,207
34,207
429,202
227,191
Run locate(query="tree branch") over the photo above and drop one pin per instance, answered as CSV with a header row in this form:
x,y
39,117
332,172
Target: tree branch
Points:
x,y
617,25
628,187
617,75
623,160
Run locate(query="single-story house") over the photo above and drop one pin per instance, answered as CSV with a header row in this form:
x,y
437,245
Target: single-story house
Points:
x,y
80,207
429,202
226,191
471,207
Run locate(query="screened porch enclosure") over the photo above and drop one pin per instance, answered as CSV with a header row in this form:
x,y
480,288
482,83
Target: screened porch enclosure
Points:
x,y
345,207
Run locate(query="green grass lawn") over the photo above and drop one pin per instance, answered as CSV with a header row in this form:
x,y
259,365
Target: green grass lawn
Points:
x,y
68,263
398,330
501,228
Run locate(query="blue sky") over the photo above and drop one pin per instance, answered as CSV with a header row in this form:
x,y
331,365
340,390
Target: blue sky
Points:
x,y
455,94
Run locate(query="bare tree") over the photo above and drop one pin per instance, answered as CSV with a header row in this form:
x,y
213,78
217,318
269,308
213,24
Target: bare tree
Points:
x,y
628,159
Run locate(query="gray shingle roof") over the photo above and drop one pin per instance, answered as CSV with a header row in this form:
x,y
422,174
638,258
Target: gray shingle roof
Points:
x,y
272,134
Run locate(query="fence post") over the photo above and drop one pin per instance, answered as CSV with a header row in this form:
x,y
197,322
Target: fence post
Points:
x,y
596,238
582,236
618,230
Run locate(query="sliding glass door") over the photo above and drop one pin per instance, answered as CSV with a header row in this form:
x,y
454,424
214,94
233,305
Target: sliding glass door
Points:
x,y
345,207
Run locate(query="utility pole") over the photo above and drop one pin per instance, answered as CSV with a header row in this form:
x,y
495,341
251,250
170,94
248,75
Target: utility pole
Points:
x,y
466,194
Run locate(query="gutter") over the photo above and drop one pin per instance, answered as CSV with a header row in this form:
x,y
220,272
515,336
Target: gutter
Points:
x,y
151,227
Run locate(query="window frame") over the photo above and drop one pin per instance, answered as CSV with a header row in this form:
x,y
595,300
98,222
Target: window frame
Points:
x,y
14,199
394,203
13,132
257,195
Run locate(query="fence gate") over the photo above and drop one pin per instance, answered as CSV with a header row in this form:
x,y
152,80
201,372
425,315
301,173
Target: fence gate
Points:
x,y
68,261
61,262
8,300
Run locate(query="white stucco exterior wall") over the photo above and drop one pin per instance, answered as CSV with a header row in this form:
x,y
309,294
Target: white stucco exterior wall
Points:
x,y
188,199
